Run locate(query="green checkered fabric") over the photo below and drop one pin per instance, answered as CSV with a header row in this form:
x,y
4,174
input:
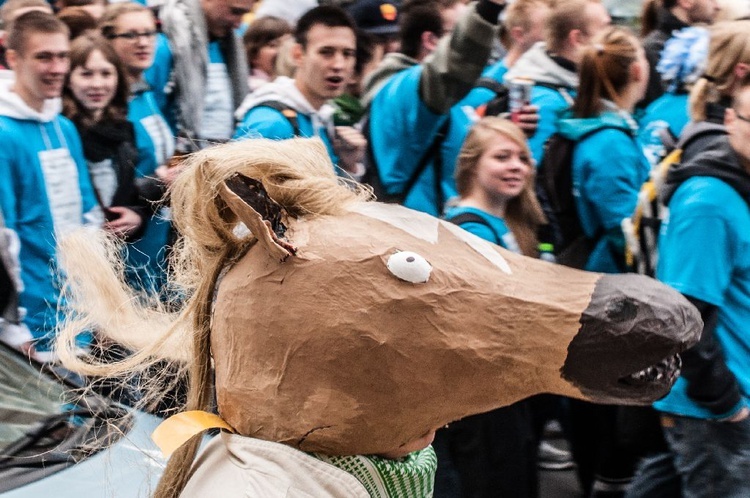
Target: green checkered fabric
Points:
x,y
410,477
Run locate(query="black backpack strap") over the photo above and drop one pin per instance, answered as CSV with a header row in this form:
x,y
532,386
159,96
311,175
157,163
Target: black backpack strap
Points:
x,y
491,84
287,111
469,217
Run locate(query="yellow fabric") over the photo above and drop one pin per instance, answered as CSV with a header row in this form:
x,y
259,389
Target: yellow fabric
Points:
x,y
178,429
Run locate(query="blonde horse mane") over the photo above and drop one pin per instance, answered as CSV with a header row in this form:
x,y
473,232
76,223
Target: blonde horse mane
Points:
x,y
296,173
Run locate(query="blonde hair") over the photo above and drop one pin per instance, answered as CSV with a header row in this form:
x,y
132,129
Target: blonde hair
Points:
x,y
296,173
523,214
729,46
519,13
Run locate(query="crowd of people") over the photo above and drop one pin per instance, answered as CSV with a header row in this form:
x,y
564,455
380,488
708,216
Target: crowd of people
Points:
x,y
98,102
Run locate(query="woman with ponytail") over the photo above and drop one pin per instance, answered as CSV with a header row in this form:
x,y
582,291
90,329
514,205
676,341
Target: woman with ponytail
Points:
x,y
608,169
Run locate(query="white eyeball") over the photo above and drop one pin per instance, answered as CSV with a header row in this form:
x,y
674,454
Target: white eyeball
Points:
x,y
410,266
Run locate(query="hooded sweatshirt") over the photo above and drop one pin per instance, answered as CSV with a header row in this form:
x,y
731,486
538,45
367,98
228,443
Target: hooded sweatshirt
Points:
x,y
45,192
608,170
553,91
704,252
258,121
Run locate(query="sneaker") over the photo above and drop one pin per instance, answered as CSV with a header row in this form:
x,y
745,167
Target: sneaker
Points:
x,y
553,458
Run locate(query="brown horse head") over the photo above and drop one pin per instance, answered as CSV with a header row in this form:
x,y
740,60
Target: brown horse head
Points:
x,y
356,333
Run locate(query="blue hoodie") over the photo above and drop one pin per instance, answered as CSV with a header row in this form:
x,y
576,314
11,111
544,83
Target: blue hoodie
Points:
x,y
608,170
45,192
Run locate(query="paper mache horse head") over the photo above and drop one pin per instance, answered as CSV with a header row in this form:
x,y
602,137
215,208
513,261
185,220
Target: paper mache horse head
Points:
x,y
343,326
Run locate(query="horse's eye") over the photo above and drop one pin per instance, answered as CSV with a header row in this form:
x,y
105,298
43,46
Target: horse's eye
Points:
x,y
410,266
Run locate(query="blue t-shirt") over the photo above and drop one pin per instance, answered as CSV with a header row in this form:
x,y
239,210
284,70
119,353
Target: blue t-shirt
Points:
x,y
704,252
494,230
218,106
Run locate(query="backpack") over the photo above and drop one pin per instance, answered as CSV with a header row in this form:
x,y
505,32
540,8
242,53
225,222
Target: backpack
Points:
x,y
642,228
554,189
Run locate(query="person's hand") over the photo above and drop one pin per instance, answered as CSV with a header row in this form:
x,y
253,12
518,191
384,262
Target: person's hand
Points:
x,y
125,223
167,174
350,145
739,416
528,119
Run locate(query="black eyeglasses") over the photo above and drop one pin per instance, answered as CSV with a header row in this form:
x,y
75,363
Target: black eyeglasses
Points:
x,y
132,36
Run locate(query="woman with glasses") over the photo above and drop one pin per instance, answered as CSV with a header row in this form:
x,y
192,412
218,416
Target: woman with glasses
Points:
x,y
131,31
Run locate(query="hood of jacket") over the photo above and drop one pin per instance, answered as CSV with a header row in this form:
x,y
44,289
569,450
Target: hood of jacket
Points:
x,y
391,64
720,162
575,128
284,90
537,65
13,106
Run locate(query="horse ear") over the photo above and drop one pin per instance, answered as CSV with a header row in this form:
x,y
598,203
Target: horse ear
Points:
x,y
248,199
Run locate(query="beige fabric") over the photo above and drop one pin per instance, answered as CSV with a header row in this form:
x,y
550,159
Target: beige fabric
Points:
x,y
233,465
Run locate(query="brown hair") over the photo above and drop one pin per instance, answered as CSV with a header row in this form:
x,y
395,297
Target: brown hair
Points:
x,y
114,11
566,16
605,70
80,50
31,23
78,20
10,7
261,32
523,214
729,46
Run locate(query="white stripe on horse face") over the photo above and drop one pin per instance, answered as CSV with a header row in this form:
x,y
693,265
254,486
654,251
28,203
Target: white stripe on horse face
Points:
x,y
425,227
481,246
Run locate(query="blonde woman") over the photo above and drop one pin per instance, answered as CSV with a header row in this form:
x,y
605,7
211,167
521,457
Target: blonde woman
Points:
x,y
494,453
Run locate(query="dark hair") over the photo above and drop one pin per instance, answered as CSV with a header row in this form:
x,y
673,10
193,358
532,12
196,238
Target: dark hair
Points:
x,y
78,20
604,71
417,17
31,23
80,50
261,32
649,16
669,4
325,15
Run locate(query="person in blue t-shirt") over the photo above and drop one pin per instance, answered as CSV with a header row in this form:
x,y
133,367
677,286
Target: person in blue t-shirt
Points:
x,y
324,53
204,65
45,190
495,453
704,252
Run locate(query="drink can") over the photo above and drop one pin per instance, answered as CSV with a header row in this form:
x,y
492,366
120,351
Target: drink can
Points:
x,y
519,95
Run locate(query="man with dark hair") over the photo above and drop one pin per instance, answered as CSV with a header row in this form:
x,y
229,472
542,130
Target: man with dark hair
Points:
x,y
45,190
324,55
205,67
673,15
414,129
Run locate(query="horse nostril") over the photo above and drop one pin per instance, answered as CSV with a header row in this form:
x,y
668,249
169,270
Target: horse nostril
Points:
x,y
621,310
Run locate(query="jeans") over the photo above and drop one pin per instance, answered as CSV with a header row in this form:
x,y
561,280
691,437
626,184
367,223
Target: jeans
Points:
x,y
712,458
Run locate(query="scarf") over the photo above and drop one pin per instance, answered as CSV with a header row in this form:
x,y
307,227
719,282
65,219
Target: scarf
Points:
x,y
410,477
